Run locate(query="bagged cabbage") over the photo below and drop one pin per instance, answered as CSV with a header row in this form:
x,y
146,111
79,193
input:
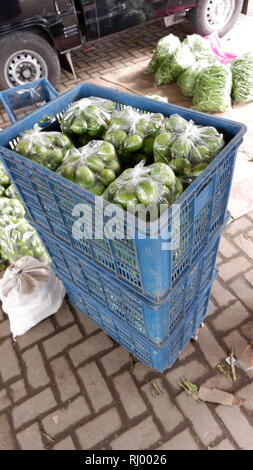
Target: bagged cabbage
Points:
x,y
88,115
187,80
46,148
242,70
171,68
164,49
153,184
212,92
183,145
200,48
93,166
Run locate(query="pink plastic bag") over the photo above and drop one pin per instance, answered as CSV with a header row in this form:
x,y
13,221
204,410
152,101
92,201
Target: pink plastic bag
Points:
x,y
223,57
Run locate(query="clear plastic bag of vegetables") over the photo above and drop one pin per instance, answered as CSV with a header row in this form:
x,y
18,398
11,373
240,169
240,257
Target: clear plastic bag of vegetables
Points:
x,y
120,124
46,148
171,68
164,49
4,179
184,145
93,166
133,134
242,70
200,48
20,239
213,88
188,79
11,211
154,184
89,116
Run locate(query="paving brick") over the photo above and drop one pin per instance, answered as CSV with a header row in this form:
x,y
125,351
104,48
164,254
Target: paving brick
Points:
x,y
227,249
65,444
33,407
247,393
30,438
4,399
140,371
142,436
221,295
99,429
210,347
60,341
249,276
63,418
182,441
191,370
236,342
9,367
41,331
2,314
95,386
17,390
65,379
231,317
219,381
201,418
234,267
35,369
162,406
4,329
64,316
243,433
89,347
129,395
239,225
114,360
224,445
244,291
88,325
6,439
189,349
244,241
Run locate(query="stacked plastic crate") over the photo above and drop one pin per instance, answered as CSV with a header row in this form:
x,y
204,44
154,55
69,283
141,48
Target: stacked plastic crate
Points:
x,y
149,299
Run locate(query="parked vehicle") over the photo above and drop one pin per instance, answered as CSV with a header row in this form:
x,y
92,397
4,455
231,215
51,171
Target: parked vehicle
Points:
x,y
36,38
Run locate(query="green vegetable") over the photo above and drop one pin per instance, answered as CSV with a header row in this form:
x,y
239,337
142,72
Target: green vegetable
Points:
x,y
176,124
180,166
11,192
163,174
45,148
181,147
2,191
213,89
162,146
242,70
200,48
188,79
125,199
197,170
147,147
147,191
4,180
164,49
116,137
133,143
93,166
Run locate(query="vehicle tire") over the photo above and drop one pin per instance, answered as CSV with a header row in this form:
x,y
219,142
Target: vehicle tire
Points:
x,y
26,56
215,15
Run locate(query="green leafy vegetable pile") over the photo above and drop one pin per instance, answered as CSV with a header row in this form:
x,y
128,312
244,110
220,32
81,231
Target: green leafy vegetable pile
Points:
x,y
213,89
242,70
163,51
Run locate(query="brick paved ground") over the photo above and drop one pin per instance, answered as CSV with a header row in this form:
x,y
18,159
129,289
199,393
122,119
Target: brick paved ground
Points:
x,y
66,385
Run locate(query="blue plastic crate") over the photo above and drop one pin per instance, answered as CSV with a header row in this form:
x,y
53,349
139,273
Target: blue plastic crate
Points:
x,y
154,321
140,263
158,357
24,99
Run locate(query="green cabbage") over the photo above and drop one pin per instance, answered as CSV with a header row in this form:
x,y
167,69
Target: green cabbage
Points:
x,y
213,89
242,70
